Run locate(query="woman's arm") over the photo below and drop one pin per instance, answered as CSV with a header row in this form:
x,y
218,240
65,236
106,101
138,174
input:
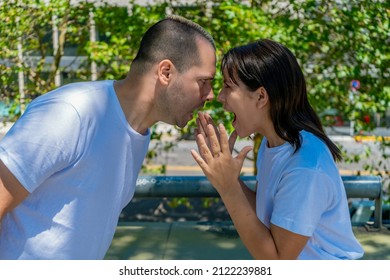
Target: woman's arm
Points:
x,y
261,242
223,171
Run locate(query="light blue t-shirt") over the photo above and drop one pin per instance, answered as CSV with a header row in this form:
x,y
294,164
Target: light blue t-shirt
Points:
x,y
76,154
303,192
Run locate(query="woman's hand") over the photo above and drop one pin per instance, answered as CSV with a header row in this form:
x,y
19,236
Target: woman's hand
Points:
x,y
203,120
223,170
215,157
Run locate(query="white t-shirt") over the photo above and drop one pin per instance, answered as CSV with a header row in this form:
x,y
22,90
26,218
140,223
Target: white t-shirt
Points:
x,y
303,193
76,154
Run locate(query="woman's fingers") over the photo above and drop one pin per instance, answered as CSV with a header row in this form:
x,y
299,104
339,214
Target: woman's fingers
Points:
x,y
214,137
214,141
243,153
202,122
205,119
201,162
224,139
200,129
204,150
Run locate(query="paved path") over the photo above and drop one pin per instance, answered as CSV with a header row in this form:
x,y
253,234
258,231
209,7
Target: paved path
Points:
x,y
208,241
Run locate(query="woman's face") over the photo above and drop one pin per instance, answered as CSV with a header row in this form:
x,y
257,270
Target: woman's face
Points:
x,y
236,98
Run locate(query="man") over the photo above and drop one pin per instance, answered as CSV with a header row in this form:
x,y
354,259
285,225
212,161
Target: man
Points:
x,y
69,165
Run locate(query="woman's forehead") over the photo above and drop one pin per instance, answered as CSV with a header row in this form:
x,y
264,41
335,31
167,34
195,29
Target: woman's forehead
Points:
x,y
229,74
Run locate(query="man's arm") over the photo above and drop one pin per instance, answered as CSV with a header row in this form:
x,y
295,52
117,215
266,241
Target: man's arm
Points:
x,y
12,193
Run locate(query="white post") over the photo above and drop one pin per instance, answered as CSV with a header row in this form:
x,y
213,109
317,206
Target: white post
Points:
x,y
352,122
57,77
168,11
209,9
355,85
20,71
92,38
21,76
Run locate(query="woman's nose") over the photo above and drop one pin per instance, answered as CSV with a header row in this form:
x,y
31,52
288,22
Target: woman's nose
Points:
x,y
221,96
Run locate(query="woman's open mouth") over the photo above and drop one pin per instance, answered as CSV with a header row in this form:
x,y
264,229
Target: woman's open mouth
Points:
x,y
234,115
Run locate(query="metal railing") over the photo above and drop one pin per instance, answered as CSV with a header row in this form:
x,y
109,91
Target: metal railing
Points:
x,y
199,186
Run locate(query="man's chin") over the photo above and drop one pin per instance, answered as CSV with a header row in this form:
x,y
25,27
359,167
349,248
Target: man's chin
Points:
x,y
183,122
181,125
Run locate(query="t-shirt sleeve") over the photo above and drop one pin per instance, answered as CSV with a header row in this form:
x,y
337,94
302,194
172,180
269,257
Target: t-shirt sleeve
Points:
x,y
43,141
302,197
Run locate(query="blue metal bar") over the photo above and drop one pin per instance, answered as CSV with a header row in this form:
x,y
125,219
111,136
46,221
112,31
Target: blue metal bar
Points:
x,y
180,186
199,186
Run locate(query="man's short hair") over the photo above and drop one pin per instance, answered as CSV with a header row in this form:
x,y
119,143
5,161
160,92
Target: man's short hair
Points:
x,y
172,38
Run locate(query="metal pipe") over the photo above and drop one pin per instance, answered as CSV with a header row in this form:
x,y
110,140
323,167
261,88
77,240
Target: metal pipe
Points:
x,y
199,186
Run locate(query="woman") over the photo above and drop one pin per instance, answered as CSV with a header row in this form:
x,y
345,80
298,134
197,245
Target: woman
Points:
x,y
300,209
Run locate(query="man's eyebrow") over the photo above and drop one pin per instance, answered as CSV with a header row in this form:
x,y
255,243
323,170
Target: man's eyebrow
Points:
x,y
207,78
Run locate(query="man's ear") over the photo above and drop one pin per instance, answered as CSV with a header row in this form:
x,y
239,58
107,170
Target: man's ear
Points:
x,y
262,97
165,71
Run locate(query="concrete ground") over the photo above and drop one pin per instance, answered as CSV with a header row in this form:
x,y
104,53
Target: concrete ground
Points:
x,y
209,241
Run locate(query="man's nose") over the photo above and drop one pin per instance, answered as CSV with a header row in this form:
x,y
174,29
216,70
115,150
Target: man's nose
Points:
x,y
210,95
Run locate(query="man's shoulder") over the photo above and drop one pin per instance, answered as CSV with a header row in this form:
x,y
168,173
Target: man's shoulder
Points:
x,y
84,87
76,93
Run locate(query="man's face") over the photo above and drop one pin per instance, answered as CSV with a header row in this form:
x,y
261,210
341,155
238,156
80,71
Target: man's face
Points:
x,y
191,89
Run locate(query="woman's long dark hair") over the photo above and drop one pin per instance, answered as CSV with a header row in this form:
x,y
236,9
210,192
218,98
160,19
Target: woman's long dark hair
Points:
x,y
266,63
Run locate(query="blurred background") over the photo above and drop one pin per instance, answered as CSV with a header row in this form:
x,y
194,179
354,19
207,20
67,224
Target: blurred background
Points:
x,y
342,46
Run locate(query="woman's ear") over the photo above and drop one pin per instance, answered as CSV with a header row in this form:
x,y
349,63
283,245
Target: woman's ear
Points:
x,y
165,70
262,97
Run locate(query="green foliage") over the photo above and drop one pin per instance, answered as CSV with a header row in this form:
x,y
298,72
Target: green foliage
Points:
x,y
29,24
335,42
